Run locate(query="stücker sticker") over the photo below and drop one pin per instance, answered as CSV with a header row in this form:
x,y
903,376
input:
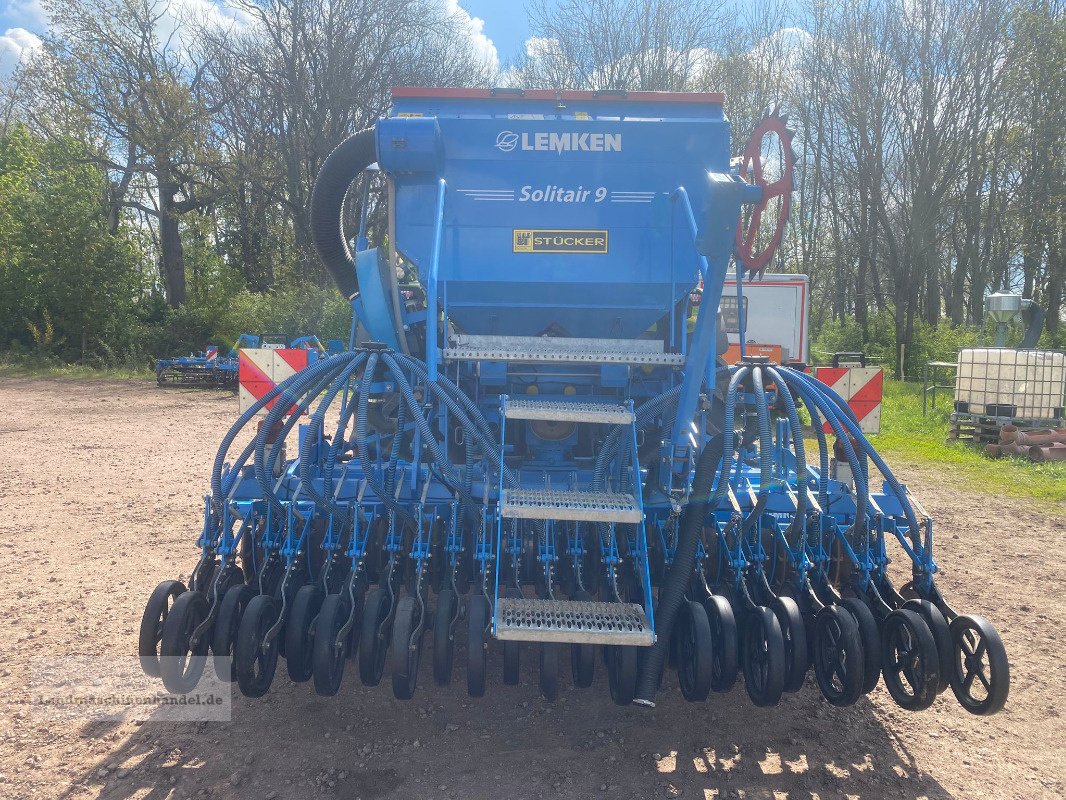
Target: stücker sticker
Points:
x,y
560,241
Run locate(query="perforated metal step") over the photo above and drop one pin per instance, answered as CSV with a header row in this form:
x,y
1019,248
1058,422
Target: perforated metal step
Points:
x,y
577,506
578,621
568,411
561,350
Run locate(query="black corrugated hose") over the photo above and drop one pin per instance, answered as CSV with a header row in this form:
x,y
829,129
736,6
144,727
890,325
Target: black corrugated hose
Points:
x,y
677,581
339,170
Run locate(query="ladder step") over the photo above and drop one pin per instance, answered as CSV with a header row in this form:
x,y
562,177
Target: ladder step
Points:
x,y
569,505
568,411
580,621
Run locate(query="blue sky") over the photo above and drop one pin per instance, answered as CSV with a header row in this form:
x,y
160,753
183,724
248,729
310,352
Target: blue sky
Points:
x,y
505,24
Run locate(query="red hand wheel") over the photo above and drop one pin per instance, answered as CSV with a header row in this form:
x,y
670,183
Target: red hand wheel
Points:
x,y
754,249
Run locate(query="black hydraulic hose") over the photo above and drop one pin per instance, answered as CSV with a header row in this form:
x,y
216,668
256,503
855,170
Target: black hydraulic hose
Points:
x,y
338,171
673,591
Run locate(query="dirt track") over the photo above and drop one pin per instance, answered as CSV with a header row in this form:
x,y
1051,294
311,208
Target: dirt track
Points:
x,y
90,468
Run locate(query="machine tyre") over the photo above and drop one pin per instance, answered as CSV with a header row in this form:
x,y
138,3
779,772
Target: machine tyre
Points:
x,y
723,624
794,632
477,646
871,641
234,603
938,624
443,638
181,664
299,634
838,656
327,660
764,657
159,604
695,652
549,671
622,666
255,666
910,659
976,645
405,657
372,648
583,656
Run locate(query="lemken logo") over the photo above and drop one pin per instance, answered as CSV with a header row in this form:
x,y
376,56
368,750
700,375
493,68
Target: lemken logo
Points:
x,y
506,141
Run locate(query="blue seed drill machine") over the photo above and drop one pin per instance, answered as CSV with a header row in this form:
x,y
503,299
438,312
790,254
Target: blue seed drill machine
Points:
x,y
533,450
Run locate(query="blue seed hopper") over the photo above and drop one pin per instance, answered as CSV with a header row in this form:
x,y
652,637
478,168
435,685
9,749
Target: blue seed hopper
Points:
x,y
530,448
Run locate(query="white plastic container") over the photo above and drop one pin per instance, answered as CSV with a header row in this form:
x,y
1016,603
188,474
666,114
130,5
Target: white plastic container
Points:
x,y
999,382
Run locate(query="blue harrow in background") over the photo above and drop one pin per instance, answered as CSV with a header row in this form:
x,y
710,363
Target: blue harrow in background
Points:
x,y
528,448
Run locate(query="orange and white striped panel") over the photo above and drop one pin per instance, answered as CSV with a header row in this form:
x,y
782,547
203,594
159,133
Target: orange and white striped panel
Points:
x,y
862,387
260,369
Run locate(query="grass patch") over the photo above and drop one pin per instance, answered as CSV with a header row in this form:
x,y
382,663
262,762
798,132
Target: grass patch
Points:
x,y
908,434
11,369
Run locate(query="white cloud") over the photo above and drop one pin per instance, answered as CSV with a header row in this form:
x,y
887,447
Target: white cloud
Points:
x,y
475,30
16,44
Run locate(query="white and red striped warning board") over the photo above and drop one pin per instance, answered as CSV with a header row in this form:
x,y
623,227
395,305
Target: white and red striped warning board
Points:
x,y
862,387
262,368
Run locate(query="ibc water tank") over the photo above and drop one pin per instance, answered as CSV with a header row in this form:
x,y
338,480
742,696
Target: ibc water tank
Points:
x,y
998,382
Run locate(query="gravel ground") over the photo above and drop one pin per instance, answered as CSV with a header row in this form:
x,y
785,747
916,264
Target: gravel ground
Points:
x,y
102,488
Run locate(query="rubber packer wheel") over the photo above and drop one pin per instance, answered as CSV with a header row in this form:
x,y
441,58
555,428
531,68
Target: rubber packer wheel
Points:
x,y
764,657
234,604
256,663
373,648
871,641
328,656
622,662
406,655
695,653
795,635
980,674
938,624
910,663
838,656
299,644
443,638
477,646
181,663
512,652
724,648
583,656
549,671
155,614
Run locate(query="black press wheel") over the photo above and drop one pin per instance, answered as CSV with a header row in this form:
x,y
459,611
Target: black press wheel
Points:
x,y
406,648
910,663
938,624
181,660
764,657
871,641
477,646
583,656
795,635
444,637
838,656
549,671
234,603
622,663
299,635
151,632
723,642
980,674
254,658
373,642
695,652
327,654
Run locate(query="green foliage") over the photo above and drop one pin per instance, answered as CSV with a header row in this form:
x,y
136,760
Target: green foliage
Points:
x,y
878,342
68,288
